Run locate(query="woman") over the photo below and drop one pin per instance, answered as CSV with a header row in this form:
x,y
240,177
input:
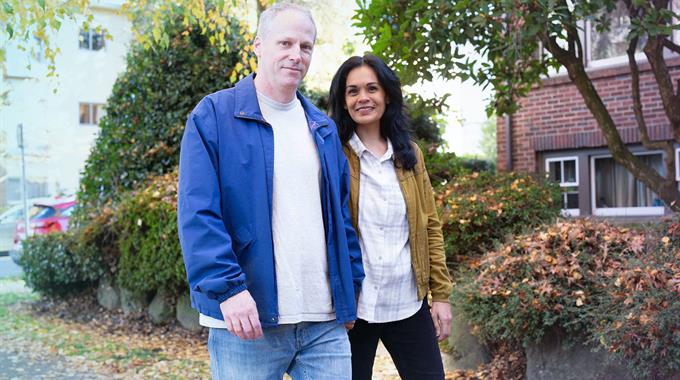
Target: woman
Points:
x,y
393,211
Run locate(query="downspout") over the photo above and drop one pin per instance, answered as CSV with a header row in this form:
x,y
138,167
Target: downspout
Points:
x,y
508,142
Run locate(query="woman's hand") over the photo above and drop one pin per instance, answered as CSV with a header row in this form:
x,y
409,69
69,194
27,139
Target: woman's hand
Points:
x,y
441,316
349,325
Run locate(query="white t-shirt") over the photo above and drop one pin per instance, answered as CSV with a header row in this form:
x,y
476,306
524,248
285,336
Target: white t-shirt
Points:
x,y
302,280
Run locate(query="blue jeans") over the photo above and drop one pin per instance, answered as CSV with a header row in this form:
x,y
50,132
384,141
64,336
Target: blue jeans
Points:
x,y
307,350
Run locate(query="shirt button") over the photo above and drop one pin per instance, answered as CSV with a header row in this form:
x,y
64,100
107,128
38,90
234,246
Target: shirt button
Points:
x,y
242,113
375,287
380,258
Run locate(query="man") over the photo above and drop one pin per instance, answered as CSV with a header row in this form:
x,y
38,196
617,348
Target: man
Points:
x,y
272,260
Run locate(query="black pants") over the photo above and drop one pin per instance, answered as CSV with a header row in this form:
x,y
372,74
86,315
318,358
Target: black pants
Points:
x,y
411,342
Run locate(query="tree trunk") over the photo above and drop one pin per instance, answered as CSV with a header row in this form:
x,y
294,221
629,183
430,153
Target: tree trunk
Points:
x,y
666,189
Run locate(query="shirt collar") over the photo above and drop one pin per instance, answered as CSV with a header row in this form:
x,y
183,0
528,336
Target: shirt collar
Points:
x,y
359,148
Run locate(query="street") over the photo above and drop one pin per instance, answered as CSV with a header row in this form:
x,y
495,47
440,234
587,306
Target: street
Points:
x,y
8,268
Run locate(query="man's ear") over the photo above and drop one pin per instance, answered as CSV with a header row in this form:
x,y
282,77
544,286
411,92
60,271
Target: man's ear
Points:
x,y
257,46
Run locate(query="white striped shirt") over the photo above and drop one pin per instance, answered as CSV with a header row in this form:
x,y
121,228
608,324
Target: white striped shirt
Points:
x,y
389,291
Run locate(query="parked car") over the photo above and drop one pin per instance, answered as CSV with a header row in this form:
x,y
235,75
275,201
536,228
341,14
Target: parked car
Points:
x,y
8,223
46,216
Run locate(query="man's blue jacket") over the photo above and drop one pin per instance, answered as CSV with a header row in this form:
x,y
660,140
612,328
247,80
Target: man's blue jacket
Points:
x,y
225,205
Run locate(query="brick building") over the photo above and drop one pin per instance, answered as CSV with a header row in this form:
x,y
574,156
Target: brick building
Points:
x,y
554,132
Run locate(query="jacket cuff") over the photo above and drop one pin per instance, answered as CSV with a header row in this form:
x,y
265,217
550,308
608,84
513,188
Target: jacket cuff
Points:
x,y
442,297
232,292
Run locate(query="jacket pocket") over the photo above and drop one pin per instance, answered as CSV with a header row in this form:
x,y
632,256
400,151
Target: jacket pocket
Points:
x,y
242,238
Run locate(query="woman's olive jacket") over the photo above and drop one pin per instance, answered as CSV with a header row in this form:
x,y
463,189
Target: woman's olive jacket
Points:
x,y
425,230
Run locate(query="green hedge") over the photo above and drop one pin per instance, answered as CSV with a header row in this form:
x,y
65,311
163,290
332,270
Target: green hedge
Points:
x,y
146,112
56,265
479,210
150,254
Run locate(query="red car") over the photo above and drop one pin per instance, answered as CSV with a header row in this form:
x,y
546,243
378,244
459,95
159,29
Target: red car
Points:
x,y
46,216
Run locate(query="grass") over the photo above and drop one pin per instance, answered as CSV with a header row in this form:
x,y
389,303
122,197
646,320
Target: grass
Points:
x,y
116,354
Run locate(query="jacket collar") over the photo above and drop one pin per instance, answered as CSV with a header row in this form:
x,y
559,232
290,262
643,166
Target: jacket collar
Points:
x,y
247,106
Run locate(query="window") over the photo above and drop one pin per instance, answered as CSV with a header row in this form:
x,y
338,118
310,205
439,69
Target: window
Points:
x,y
609,47
91,113
617,192
612,43
564,170
91,40
33,189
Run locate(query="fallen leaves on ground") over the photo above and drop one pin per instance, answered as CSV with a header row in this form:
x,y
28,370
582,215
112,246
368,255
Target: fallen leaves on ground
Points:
x,y
109,344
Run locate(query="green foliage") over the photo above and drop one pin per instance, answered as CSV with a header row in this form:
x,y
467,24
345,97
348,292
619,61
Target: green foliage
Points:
x,y
146,223
146,112
23,21
426,118
479,209
442,167
57,265
424,39
475,164
615,287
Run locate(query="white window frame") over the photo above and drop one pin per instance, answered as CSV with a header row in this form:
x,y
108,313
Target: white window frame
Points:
x,y
620,211
621,59
90,34
566,212
603,62
91,105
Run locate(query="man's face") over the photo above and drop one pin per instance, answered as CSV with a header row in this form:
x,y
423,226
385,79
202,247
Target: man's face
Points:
x,y
285,52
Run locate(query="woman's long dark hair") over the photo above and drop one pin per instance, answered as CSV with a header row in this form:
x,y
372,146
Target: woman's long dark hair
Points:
x,y
394,124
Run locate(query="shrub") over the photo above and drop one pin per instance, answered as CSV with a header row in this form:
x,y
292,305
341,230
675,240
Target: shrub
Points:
x,y
442,167
100,238
146,224
639,314
53,265
539,280
475,164
146,112
613,287
480,209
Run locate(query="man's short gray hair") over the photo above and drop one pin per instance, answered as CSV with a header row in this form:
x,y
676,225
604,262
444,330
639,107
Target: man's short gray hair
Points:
x,y
268,15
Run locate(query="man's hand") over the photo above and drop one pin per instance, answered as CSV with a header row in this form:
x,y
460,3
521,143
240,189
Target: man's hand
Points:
x,y
349,325
240,315
441,316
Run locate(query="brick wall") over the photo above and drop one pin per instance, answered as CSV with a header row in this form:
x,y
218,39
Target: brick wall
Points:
x,y
554,116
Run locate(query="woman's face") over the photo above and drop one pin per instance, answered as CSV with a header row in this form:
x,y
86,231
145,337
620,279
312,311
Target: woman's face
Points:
x,y
364,97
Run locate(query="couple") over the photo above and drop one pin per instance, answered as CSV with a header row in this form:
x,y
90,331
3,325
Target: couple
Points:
x,y
278,209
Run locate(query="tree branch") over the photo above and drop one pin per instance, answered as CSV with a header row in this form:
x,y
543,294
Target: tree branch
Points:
x,y
670,45
637,103
666,146
665,188
670,100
